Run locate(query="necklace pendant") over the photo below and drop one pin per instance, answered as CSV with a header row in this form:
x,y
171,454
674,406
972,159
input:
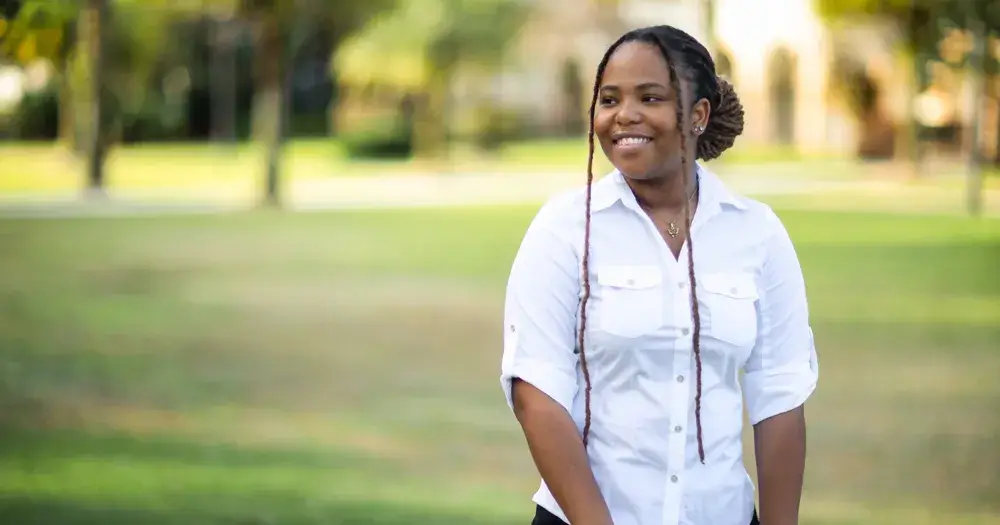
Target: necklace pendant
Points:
x,y
673,230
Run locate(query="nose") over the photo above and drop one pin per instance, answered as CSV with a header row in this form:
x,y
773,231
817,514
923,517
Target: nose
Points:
x,y
627,114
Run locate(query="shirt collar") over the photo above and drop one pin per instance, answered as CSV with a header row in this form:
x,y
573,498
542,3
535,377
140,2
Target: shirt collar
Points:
x,y
612,188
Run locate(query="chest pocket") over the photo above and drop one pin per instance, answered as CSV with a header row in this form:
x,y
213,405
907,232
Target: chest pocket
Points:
x,y
730,299
630,299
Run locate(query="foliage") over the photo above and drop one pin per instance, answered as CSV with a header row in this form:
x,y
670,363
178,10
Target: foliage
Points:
x,y
37,29
930,29
406,46
421,46
383,138
921,20
37,116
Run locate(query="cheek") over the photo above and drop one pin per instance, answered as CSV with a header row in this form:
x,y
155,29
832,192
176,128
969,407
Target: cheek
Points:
x,y
602,122
602,127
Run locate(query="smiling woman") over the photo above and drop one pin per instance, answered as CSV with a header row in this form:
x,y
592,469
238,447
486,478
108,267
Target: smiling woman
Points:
x,y
607,315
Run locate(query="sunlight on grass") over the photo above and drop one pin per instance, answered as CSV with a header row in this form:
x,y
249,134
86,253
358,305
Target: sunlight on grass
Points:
x,y
238,169
342,368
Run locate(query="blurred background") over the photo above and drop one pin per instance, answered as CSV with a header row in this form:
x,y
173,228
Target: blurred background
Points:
x,y
253,254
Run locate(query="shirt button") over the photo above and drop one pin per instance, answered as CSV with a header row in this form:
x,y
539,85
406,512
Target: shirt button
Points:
x,y
685,331
680,379
732,291
630,282
673,478
682,285
678,428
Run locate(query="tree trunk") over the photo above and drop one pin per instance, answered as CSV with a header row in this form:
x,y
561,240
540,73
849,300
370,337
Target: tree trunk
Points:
x,y
430,126
996,137
95,19
269,101
223,75
67,124
978,62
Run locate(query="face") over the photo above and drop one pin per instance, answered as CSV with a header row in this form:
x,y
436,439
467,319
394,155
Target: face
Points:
x,y
636,115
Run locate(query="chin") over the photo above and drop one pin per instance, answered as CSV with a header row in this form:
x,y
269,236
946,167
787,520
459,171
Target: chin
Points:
x,y
633,172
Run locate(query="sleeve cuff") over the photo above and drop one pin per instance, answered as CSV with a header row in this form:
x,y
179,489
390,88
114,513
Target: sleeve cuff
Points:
x,y
776,391
552,381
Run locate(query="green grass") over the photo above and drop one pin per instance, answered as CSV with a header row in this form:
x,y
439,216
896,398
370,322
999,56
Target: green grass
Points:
x,y
237,170
343,368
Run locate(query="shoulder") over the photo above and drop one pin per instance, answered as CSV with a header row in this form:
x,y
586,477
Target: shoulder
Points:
x,y
564,212
761,226
756,216
755,229
761,215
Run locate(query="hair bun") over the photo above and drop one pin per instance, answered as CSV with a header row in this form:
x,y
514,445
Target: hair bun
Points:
x,y
724,124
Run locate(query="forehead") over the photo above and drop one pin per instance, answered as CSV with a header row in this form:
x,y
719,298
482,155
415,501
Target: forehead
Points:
x,y
636,63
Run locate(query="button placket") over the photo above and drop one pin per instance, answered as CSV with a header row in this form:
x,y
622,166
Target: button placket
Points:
x,y
677,440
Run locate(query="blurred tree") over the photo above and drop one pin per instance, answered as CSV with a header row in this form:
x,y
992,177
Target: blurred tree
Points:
x,y
928,27
117,55
43,29
921,21
420,47
101,51
276,21
95,19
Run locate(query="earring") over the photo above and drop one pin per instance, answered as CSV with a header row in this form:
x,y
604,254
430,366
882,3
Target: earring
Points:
x,y
698,130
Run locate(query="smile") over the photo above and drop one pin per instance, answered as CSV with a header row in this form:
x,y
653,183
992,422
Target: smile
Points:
x,y
632,142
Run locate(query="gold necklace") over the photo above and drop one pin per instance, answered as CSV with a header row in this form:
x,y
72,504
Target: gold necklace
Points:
x,y
672,229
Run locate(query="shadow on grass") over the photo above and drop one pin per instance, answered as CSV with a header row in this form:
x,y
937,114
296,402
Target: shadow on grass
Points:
x,y
32,447
37,511
70,477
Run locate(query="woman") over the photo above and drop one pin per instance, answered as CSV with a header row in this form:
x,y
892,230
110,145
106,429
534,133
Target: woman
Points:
x,y
623,341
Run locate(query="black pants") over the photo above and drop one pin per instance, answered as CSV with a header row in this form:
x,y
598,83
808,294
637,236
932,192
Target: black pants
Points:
x,y
544,517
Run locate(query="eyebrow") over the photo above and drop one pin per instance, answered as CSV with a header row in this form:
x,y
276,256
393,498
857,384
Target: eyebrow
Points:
x,y
644,85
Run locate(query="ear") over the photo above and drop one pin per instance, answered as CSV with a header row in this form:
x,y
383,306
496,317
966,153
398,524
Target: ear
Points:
x,y
700,114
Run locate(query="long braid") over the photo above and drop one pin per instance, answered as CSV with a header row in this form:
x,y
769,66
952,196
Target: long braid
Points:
x,y
586,251
683,105
696,341
586,278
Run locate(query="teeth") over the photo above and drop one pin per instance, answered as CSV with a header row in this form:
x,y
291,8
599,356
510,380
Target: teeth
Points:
x,y
632,141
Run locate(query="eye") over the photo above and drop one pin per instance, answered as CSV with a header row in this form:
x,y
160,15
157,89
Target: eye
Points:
x,y
607,101
652,99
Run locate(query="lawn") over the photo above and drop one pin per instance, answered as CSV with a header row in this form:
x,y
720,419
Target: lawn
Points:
x,y
237,171
342,368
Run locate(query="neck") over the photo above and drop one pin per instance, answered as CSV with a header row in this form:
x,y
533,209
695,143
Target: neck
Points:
x,y
670,192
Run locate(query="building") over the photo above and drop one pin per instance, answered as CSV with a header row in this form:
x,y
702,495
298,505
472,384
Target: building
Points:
x,y
778,53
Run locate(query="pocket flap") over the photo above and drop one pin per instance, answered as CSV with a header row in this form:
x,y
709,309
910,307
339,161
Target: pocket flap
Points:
x,y
735,285
635,277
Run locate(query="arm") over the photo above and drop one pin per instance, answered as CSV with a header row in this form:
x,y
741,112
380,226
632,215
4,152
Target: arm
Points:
x,y
780,448
539,366
780,375
557,450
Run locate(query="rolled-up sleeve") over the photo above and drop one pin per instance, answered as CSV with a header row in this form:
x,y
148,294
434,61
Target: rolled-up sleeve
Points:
x,y
540,311
783,368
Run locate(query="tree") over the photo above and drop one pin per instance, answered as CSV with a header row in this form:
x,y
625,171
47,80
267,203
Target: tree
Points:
x,y
119,38
276,21
96,18
38,21
428,41
43,29
921,21
925,23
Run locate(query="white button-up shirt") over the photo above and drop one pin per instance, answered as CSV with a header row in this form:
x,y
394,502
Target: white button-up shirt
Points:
x,y
643,443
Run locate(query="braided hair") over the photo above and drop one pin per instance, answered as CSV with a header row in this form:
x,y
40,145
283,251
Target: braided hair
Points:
x,y
693,77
